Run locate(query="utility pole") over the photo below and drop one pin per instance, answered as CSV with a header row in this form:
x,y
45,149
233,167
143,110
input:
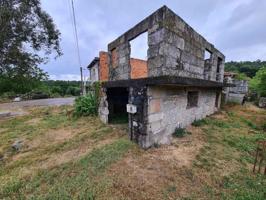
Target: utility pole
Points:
x,y
82,86
81,79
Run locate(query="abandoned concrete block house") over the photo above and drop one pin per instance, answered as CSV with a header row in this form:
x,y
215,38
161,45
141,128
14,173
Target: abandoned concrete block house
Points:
x,y
237,93
180,82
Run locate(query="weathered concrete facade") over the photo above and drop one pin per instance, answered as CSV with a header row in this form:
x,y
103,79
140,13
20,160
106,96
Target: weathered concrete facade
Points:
x,y
182,84
94,70
238,92
174,49
168,109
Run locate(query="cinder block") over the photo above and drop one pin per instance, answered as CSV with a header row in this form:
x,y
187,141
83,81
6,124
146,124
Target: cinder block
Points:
x,y
155,117
155,105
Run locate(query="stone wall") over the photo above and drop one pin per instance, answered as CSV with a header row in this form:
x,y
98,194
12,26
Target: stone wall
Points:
x,y
103,110
241,87
119,65
237,94
138,121
167,110
174,49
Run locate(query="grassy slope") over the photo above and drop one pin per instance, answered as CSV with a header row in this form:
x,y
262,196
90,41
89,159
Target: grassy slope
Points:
x,y
221,168
228,155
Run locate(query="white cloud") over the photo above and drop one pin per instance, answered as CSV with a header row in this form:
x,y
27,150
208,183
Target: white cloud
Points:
x,y
66,77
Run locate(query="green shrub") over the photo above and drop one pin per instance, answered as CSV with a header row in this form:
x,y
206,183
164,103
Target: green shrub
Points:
x,y
180,132
86,105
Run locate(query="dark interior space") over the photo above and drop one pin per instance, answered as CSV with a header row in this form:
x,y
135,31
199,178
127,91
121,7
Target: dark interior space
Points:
x,y
117,101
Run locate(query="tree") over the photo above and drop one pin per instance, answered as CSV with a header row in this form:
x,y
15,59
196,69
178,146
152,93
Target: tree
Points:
x,y
27,37
258,82
247,67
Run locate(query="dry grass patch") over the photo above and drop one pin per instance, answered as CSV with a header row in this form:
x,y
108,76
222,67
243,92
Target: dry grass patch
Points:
x,y
147,174
72,155
85,159
34,121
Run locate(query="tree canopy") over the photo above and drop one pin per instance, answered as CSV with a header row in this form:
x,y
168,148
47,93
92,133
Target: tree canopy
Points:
x,y
28,36
245,67
258,82
253,71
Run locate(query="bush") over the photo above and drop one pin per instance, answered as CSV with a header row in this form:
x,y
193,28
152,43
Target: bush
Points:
x,y
180,132
74,91
86,105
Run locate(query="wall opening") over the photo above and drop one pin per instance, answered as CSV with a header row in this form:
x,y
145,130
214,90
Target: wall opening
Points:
x,y
217,99
192,99
207,64
207,54
218,68
138,56
219,62
117,100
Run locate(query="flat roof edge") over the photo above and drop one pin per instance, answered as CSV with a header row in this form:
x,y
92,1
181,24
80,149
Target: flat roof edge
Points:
x,y
165,80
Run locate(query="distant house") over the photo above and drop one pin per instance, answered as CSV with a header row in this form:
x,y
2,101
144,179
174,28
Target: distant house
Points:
x,y
238,92
93,68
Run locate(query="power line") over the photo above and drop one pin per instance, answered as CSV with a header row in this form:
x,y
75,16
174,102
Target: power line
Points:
x,y
75,30
82,85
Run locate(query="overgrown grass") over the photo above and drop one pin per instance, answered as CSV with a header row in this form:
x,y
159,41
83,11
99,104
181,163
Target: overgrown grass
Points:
x,y
221,169
71,180
232,140
78,179
242,186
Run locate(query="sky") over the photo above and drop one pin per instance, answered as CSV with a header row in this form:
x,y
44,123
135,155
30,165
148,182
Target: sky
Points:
x,y
236,27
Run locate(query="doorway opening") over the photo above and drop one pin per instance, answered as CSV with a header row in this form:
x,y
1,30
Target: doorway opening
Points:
x,y
117,100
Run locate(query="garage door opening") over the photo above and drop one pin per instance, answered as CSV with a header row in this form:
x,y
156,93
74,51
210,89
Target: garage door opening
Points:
x,y
117,100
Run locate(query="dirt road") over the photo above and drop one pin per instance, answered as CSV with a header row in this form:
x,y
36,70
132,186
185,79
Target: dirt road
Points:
x,y
40,102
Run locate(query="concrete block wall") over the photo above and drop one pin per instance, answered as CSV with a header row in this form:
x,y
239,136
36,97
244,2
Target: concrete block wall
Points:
x,y
237,94
241,87
167,110
103,110
119,61
175,49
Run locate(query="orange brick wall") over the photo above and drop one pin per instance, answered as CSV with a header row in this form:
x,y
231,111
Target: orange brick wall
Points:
x,y
103,66
139,68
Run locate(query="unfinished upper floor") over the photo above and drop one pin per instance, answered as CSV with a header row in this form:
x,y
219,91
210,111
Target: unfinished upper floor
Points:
x,y
173,49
